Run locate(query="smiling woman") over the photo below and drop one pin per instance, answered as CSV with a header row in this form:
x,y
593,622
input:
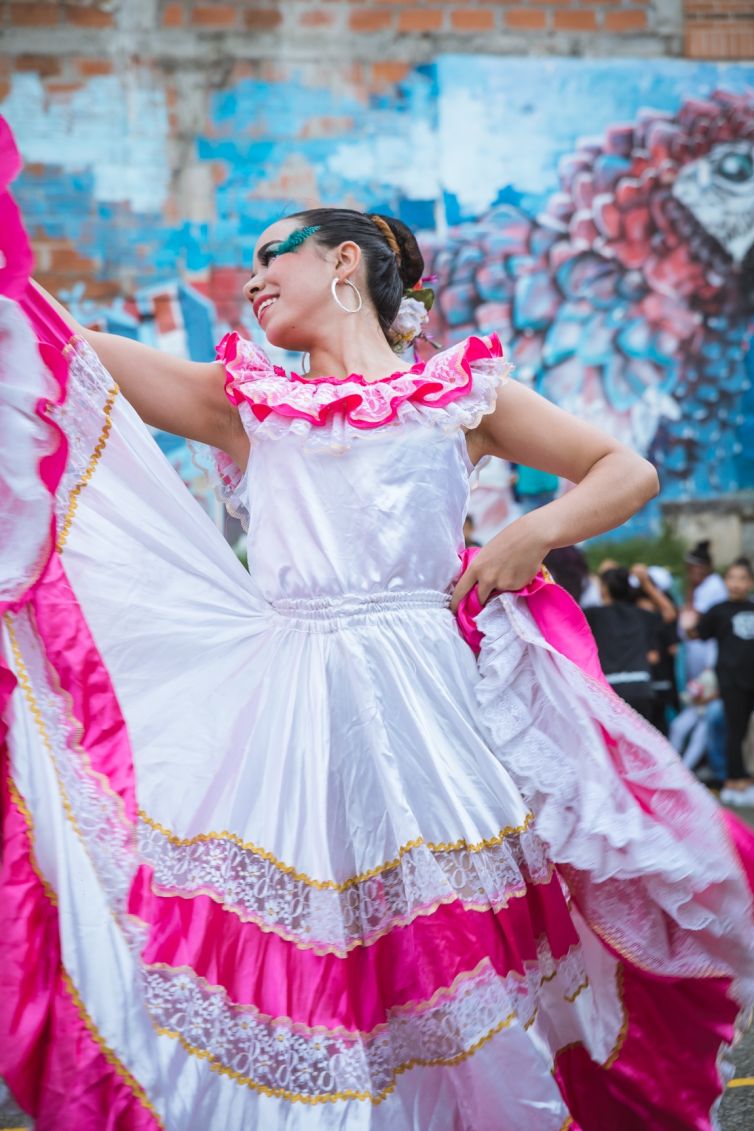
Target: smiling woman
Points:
x,y
294,854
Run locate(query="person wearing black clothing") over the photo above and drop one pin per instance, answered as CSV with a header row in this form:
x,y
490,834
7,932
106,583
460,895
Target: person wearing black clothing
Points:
x,y
627,641
731,624
653,595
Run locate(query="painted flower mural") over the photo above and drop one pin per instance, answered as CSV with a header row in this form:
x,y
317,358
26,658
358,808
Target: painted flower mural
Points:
x,y
630,297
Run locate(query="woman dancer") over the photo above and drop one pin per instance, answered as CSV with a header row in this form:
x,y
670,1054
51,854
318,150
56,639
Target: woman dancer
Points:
x,y
279,852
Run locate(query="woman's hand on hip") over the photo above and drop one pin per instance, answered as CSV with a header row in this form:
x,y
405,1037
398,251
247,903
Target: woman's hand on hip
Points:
x,y
509,561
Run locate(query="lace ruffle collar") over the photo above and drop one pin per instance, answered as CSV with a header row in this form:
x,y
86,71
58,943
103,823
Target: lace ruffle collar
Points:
x,y
266,389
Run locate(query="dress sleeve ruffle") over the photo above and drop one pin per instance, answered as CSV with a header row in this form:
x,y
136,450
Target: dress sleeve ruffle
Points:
x,y
226,478
454,389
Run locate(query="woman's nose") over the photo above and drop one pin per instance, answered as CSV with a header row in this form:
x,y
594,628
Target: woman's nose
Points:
x,y
251,287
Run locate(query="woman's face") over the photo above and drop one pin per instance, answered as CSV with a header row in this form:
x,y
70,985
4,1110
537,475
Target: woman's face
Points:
x,y
290,293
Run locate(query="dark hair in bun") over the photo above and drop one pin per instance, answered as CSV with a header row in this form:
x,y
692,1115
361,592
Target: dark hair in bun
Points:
x,y
617,581
392,264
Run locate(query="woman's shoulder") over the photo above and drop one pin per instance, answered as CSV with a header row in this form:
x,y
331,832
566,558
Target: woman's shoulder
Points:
x,y
454,387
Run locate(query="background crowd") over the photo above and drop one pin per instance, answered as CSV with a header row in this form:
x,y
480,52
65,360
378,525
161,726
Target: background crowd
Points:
x,y
678,648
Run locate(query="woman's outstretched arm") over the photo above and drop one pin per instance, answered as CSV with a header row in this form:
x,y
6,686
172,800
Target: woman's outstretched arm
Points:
x,y
612,483
171,393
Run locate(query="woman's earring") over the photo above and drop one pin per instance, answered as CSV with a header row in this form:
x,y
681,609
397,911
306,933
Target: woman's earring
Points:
x,y
353,287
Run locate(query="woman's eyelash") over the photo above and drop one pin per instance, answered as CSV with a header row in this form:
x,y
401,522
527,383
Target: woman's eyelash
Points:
x,y
267,255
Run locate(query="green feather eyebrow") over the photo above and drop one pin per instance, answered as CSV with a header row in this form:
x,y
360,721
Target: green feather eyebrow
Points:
x,y
295,239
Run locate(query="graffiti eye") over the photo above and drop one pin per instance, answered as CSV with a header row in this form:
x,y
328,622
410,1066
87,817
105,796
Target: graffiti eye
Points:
x,y
737,167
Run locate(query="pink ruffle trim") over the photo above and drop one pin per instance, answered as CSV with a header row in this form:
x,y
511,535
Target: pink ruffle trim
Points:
x,y
252,379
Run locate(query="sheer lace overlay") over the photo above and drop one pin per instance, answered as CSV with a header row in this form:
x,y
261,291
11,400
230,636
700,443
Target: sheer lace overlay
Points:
x,y
334,917
285,1058
93,809
84,417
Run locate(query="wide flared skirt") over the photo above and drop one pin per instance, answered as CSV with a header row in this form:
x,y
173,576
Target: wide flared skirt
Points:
x,y
307,864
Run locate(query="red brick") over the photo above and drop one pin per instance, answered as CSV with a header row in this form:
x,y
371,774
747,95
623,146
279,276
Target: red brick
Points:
x,y
420,19
262,19
627,19
87,17
472,19
389,73
172,15
90,67
215,16
68,259
369,19
62,87
34,15
575,20
44,65
318,17
526,19
719,41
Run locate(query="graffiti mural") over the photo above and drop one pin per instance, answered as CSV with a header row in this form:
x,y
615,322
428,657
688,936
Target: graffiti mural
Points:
x,y
628,298
599,216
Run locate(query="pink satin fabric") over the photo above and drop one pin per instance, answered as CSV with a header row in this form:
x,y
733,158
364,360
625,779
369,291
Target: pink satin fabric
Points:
x,y
73,657
558,617
409,963
48,1055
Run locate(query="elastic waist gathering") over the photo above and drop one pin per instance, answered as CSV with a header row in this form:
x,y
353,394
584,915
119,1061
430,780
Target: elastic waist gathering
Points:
x,y
329,614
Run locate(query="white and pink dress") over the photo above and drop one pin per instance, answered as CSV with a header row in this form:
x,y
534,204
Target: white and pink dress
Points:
x,y
280,851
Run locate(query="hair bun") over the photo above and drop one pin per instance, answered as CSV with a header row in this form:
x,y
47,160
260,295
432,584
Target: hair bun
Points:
x,y
410,259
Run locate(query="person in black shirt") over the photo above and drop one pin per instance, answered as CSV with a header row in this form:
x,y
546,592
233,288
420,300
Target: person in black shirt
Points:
x,y
626,639
731,623
653,595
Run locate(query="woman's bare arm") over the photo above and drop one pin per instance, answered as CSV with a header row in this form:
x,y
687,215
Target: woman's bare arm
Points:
x,y
613,483
171,393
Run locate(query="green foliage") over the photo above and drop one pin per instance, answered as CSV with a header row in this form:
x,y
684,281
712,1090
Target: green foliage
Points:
x,y
240,551
666,550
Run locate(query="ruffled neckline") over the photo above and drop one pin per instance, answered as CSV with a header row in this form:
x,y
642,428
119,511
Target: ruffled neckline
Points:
x,y
253,381
355,378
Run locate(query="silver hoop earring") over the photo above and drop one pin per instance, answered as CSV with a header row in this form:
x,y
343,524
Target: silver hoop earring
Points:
x,y
353,287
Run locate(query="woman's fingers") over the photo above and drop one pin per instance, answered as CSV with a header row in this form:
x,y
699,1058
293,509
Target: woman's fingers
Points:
x,y
464,585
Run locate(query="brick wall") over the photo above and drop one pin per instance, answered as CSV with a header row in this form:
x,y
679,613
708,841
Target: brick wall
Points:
x,y
362,30
719,29
188,48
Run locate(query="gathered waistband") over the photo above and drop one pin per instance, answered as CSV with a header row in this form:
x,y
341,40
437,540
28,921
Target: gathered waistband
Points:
x,y
329,614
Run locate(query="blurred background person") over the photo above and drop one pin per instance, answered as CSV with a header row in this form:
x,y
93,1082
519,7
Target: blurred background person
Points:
x,y
653,585
627,640
696,732
703,589
533,488
469,532
569,569
731,624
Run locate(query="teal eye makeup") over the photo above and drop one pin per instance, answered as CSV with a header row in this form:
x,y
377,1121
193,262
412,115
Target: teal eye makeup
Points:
x,y
290,243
